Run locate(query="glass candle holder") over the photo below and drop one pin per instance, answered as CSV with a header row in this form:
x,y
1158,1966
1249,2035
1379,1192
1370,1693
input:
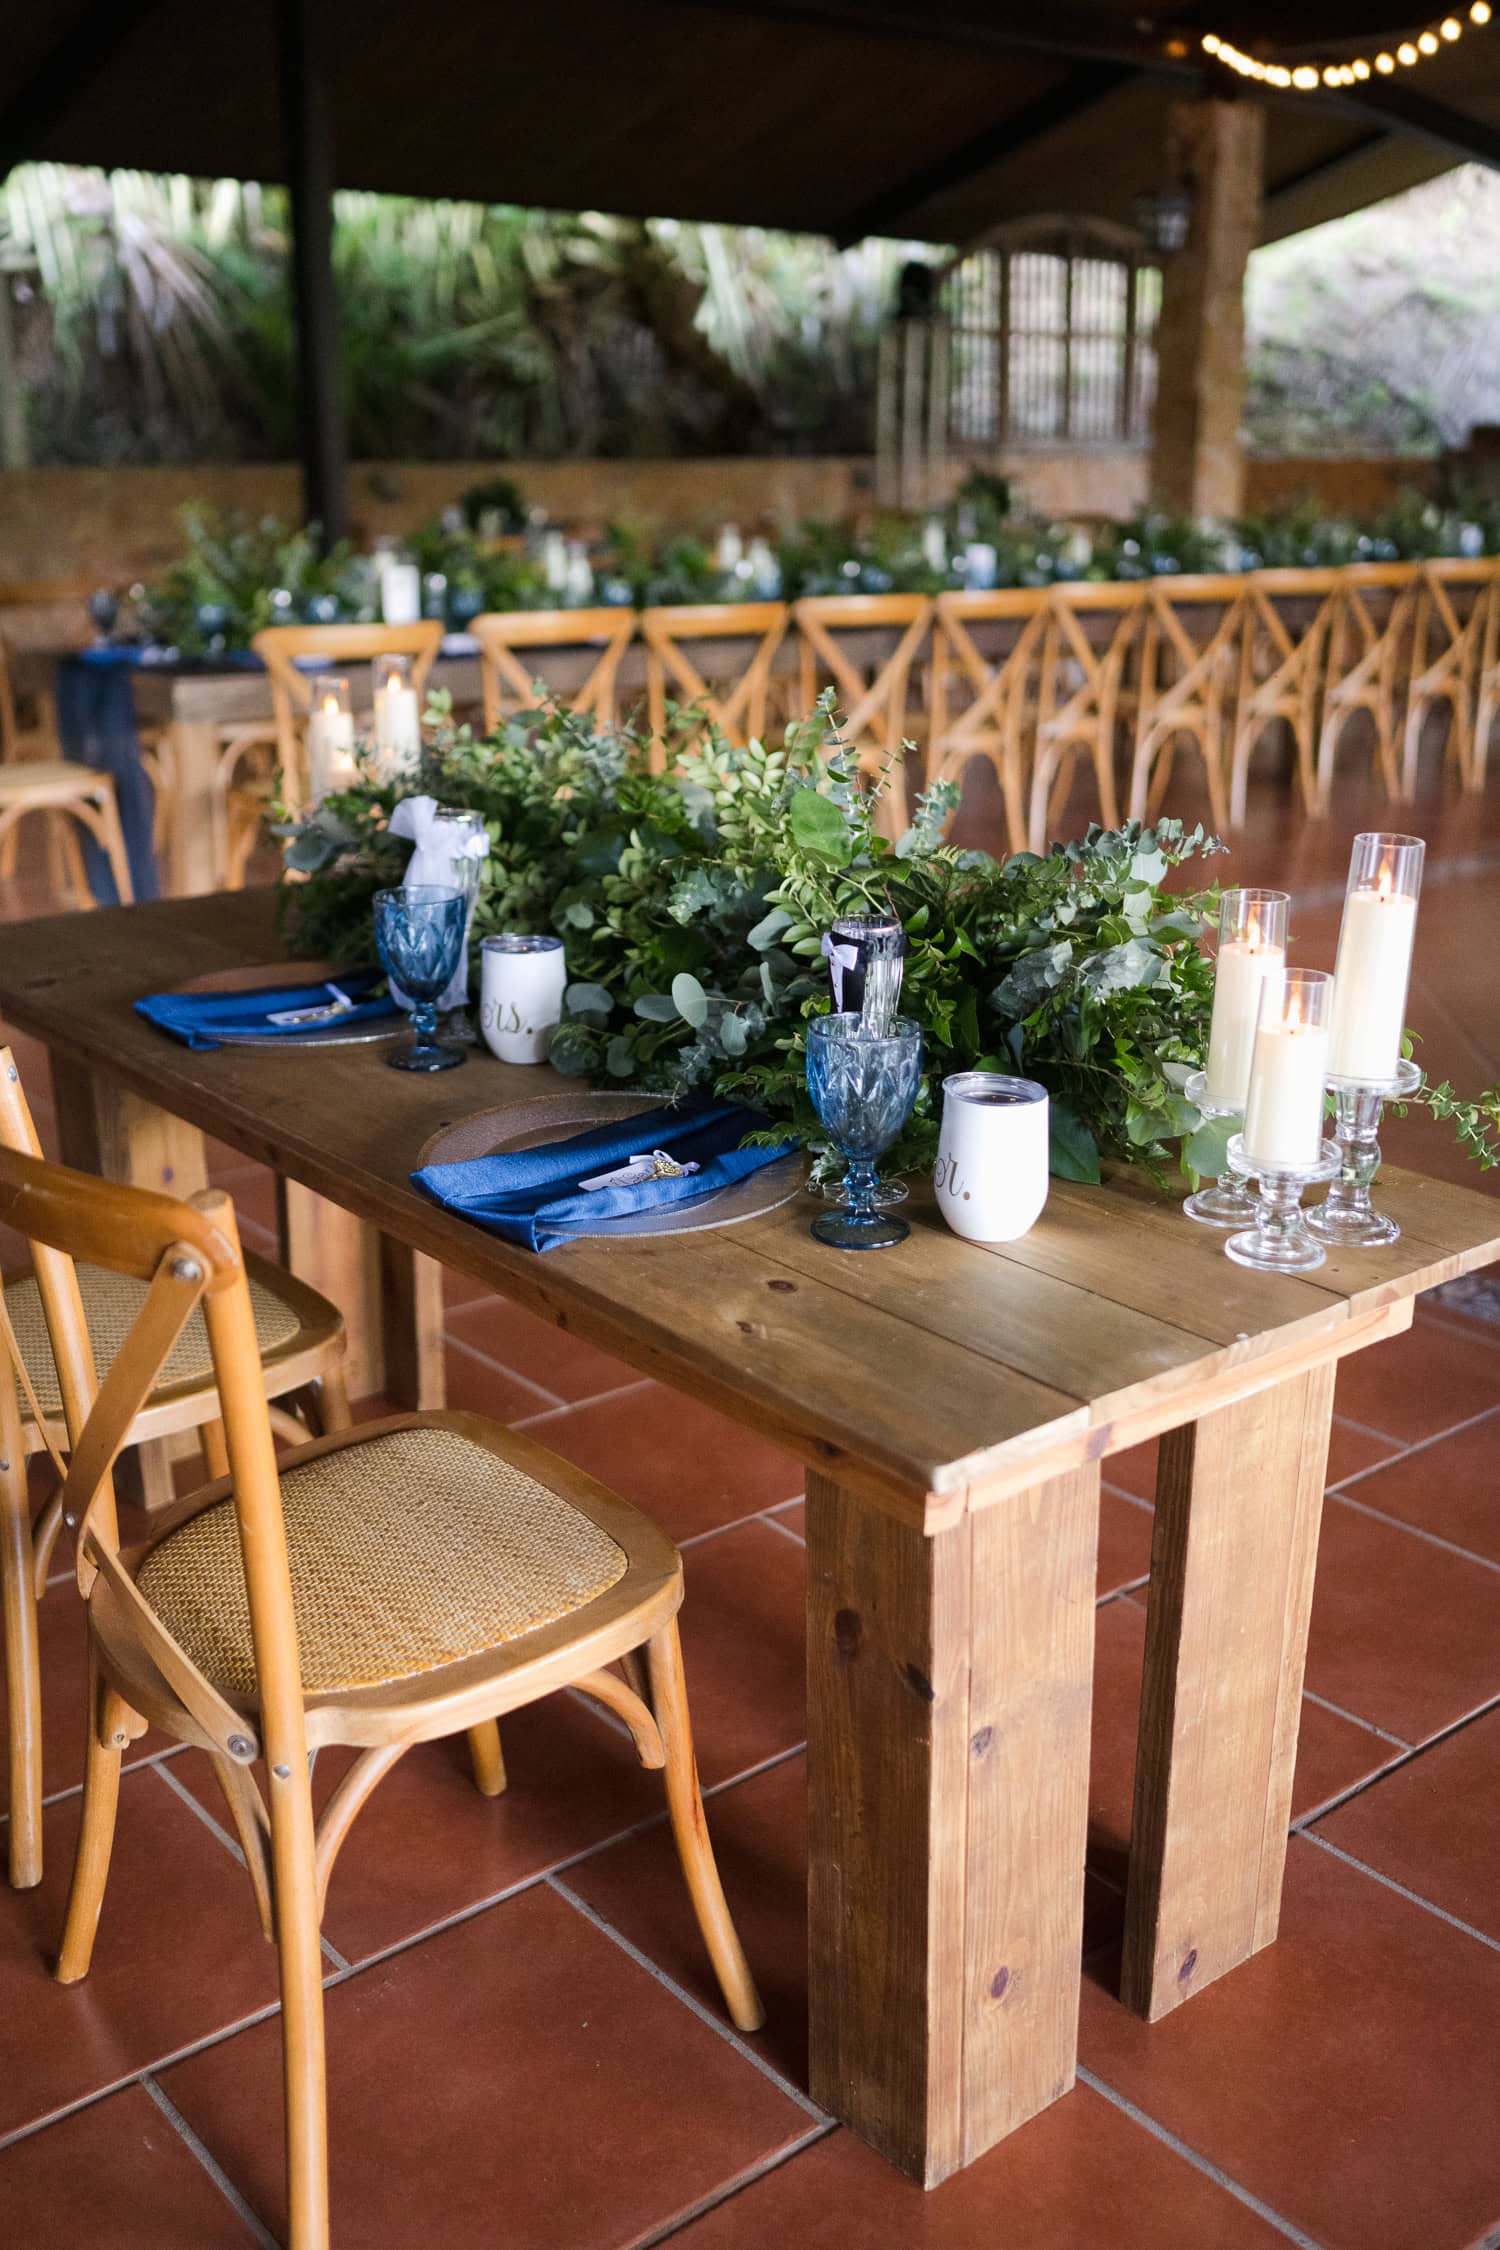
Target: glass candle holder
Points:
x,y
398,721
1373,966
1347,1216
1279,1241
331,763
1252,946
469,839
1288,1069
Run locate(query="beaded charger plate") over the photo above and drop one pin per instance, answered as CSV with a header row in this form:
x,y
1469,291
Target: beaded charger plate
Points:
x,y
283,975
493,1132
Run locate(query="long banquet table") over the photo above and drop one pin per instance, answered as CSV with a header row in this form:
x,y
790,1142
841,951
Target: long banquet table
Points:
x,y
952,1404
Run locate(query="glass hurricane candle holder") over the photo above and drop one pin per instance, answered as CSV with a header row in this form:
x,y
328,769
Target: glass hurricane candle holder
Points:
x,y
1279,1241
1374,958
331,763
398,722
1252,946
1346,1217
1229,1202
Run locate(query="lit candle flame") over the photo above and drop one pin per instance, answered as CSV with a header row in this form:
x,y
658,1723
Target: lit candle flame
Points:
x,y
331,705
1383,887
1252,929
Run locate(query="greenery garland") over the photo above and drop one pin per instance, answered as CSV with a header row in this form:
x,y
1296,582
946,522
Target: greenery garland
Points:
x,y
692,904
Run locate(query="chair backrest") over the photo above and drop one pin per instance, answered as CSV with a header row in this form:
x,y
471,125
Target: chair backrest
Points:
x,y
1287,617
500,632
280,646
740,710
1454,598
10,731
1091,630
996,675
188,1255
1374,610
872,680
1187,648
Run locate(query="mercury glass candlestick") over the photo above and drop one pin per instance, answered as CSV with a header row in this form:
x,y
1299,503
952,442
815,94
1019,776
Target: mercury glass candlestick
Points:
x,y
1346,1217
1374,957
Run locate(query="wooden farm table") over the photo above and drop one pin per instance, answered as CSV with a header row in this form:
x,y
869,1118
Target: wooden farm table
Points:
x,y
952,1405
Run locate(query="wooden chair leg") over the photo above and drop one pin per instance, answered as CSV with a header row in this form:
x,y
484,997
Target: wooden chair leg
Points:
x,y
690,1831
72,874
101,1798
1416,712
487,1759
215,1451
333,1398
113,836
23,1678
304,2070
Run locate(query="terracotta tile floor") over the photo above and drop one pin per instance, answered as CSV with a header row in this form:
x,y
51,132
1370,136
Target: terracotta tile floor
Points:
x,y
525,2044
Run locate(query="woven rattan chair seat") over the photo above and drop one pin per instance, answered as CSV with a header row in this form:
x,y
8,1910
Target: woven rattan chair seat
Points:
x,y
409,1551
110,1303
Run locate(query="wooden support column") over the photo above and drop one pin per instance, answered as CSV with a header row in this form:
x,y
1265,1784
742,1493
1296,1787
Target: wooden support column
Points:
x,y
1197,462
391,1297
948,1750
1239,1500
310,178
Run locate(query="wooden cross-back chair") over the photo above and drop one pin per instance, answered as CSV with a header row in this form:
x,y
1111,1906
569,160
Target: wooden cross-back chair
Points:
x,y
737,706
998,723
1188,648
57,1315
1451,621
279,648
35,777
1090,633
1288,615
509,684
1369,650
275,1612
872,693
1487,683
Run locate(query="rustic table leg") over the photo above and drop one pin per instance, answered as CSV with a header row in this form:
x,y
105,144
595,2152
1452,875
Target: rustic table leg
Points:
x,y
391,1297
1239,1500
107,1129
948,1747
195,846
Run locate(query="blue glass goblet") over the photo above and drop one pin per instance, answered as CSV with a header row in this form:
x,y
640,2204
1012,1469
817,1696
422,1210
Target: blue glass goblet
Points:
x,y
863,1086
419,933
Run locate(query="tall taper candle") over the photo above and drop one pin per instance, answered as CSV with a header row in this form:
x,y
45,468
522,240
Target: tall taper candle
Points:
x,y
1374,957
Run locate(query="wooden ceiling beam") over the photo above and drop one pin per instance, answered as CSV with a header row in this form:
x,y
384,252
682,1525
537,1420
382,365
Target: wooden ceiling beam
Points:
x,y
81,54
1404,110
1081,90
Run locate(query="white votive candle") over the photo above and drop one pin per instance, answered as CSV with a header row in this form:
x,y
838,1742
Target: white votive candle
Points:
x,y
1288,1069
1374,958
1252,946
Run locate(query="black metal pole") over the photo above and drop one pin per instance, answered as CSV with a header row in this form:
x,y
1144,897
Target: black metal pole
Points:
x,y
309,163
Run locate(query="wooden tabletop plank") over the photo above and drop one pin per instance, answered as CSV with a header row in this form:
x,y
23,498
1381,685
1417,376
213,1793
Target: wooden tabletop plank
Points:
x,y
925,1378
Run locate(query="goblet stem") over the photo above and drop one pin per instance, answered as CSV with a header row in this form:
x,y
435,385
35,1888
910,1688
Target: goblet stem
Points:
x,y
859,1187
424,1024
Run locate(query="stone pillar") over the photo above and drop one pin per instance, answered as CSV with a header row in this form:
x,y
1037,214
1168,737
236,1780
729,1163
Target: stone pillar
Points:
x,y
1197,463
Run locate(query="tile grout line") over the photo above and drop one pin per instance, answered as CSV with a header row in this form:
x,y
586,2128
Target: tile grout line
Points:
x,y
1413,1445
127,2078
1398,1523
482,1359
569,1406
1389,1882
209,2162
1355,1720
729,2188
1203,2164
723,2029
231,1843
1303,1823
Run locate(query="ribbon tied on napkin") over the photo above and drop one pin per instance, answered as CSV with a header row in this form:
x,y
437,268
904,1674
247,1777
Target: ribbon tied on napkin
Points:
x,y
539,1196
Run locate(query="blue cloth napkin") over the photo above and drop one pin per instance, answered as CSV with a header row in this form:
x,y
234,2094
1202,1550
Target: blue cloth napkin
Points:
x,y
533,1195
199,1019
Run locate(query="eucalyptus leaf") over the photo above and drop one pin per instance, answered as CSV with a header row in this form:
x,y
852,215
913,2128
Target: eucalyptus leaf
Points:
x,y
589,1001
1206,1151
656,1007
733,1036
690,1000
1073,1153
619,1060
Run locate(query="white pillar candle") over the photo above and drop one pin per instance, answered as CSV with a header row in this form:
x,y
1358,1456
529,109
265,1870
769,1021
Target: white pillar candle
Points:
x,y
1284,1108
398,729
1241,968
730,550
1369,984
331,762
401,593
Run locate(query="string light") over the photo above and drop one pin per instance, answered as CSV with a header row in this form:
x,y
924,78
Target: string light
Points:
x,y
1306,76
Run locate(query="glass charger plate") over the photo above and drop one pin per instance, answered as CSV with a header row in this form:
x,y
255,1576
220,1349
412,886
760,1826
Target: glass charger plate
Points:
x,y
489,1132
286,974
